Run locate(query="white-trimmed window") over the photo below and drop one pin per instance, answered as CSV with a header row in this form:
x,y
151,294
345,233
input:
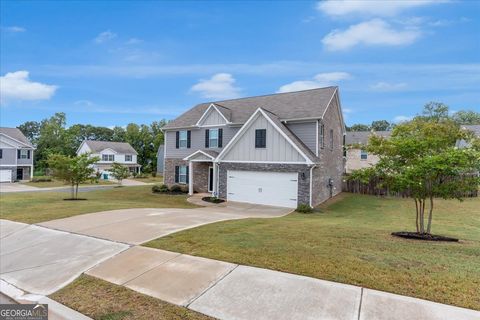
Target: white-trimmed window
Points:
x,y
23,154
213,138
182,174
108,157
363,154
128,157
182,139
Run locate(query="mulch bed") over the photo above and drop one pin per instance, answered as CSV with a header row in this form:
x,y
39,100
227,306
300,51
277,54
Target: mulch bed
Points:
x,y
70,199
424,236
212,200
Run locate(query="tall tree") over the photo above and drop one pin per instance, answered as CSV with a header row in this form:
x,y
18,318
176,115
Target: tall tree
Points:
x,y
52,139
466,117
359,127
31,129
435,111
421,158
380,125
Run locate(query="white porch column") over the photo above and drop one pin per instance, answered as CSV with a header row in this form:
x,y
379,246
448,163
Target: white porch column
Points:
x,y
214,189
190,178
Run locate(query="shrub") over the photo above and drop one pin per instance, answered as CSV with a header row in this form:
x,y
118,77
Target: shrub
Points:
x,y
304,208
176,188
141,176
184,189
42,179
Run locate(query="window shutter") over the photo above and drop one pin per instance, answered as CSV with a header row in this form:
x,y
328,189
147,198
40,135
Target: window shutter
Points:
x,y
28,154
207,138
189,138
177,139
257,138
220,138
177,169
18,154
188,174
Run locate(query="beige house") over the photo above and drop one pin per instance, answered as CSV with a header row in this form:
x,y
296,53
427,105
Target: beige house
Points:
x,y
358,158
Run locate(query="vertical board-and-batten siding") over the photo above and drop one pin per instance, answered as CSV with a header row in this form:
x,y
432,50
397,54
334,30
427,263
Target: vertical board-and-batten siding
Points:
x,y
213,118
197,142
305,131
277,148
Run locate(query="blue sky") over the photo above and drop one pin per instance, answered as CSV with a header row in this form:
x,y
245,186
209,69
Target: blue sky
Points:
x,y
111,63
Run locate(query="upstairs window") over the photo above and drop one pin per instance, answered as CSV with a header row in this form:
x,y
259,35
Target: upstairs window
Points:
x,y
182,140
23,154
108,157
322,136
331,139
213,138
128,157
363,155
1,153
261,138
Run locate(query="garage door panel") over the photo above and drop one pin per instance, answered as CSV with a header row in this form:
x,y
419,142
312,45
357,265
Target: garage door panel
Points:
x,y
267,188
5,175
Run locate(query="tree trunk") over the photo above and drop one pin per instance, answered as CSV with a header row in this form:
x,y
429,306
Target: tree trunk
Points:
x,y
429,225
416,218
76,191
73,191
422,215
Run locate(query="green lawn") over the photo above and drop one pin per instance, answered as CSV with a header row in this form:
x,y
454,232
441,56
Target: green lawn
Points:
x,y
150,179
33,207
59,183
350,242
102,300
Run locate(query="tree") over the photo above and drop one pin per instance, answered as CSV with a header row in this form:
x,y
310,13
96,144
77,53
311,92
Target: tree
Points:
x,y
466,117
420,157
435,111
73,170
52,139
380,125
359,127
31,129
119,172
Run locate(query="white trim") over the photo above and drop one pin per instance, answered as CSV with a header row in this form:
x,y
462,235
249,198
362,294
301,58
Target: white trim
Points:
x,y
213,125
330,101
164,154
244,129
23,143
212,105
316,138
190,177
15,165
250,161
187,158
311,186
10,144
80,146
308,119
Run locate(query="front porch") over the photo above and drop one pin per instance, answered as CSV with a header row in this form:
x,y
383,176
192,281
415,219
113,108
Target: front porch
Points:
x,y
202,172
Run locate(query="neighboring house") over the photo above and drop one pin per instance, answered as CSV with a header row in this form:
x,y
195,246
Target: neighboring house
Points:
x,y
110,152
160,158
476,131
356,156
16,156
282,149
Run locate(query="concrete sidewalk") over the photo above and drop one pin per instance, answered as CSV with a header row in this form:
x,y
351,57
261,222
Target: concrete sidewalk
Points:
x,y
229,291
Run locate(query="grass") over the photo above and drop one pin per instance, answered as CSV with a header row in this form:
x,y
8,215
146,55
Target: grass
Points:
x,y
102,300
59,183
34,207
350,242
150,179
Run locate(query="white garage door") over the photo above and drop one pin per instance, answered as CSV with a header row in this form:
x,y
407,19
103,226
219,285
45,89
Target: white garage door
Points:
x,y
5,175
268,188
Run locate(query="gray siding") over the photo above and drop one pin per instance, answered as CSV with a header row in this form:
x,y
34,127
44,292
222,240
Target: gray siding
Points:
x,y
160,158
277,147
9,157
213,118
306,132
198,141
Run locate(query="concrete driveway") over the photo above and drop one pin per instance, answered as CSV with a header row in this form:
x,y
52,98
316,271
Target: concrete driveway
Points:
x,y
6,187
136,226
41,260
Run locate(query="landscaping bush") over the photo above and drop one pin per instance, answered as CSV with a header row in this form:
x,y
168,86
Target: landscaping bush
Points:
x,y
304,208
141,176
176,189
160,188
42,179
184,189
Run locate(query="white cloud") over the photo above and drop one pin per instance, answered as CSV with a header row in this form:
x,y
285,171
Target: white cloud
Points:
x,y
399,119
15,29
386,86
219,86
372,32
132,41
347,110
320,80
338,8
105,36
17,86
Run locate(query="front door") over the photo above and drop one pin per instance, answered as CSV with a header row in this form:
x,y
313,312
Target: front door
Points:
x,y
210,179
20,174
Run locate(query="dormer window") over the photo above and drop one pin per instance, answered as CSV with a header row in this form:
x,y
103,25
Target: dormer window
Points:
x,y
108,157
260,138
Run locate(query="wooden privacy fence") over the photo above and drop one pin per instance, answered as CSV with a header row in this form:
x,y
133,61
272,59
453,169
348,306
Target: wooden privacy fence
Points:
x,y
371,188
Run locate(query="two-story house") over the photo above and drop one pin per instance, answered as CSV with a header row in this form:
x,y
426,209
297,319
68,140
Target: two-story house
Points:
x,y
282,149
16,156
110,152
356,156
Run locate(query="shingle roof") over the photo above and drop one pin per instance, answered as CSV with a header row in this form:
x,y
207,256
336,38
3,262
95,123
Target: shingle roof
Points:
x,y
291,105
475,128
292,137
119,147
16,134
361,137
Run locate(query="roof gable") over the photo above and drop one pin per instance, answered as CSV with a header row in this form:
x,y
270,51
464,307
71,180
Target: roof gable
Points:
x,y
291,105
118,147
16,135
214,115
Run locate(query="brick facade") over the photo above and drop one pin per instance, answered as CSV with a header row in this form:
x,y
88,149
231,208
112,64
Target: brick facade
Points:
x,y
200,173
303,170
